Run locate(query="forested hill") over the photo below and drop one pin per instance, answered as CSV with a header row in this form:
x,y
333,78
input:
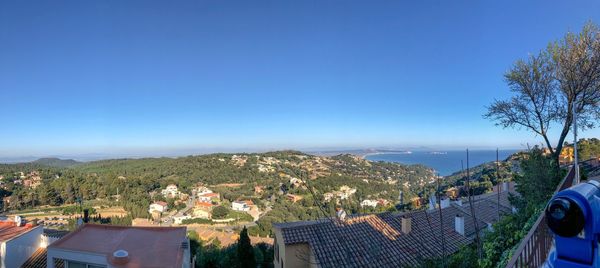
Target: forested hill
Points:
x,y
275,172
55,162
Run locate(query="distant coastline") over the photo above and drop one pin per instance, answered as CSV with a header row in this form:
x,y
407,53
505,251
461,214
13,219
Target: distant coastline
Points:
x,y
443,162
365,155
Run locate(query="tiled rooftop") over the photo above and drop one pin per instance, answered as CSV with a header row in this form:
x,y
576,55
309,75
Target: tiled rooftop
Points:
x,y
372,240
377,240
8,230
38,260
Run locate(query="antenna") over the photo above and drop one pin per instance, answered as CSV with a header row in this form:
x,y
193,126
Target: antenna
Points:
x,y
498,181
468,184
441,222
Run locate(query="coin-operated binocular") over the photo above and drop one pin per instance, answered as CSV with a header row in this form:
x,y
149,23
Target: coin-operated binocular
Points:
x,y
573,215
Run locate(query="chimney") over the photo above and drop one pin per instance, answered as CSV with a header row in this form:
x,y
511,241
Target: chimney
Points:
x,y
445,202
505,186
18,221
406,224
341,214
459,224
86,215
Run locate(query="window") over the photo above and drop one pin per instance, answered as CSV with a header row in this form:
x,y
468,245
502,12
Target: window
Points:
x,y
76,264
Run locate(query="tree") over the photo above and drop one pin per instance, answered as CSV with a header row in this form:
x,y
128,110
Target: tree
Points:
x,y
220,212
245,252
547,86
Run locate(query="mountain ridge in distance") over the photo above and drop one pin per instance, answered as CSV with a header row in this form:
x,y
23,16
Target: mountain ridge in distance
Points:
x,y
55,162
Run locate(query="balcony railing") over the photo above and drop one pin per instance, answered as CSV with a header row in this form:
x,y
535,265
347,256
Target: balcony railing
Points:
x,y
534,248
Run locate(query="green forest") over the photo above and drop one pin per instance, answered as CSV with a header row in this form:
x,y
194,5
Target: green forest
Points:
x,y
137,180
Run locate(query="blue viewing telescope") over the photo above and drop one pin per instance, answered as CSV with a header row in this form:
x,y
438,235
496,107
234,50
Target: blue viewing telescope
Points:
x,y
573,215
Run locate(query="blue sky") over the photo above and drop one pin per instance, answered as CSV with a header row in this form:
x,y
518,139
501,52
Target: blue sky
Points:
x,y
81,77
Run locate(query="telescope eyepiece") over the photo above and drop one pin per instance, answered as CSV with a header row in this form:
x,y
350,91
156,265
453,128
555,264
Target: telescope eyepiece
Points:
x,y
565,217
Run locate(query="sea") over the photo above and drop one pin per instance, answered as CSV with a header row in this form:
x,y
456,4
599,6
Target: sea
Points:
x,y
443,162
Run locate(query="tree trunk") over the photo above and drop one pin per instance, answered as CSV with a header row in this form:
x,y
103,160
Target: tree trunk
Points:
x,y
563,136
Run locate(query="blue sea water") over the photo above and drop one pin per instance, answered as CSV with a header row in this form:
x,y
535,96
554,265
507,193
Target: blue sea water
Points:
x,y
444,162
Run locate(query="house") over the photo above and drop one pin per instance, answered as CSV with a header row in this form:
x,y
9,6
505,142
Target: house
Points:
x,y
201,213
382,202
295,182
389,239
452,192
203,210
171,191
240,205
158,206
94,245
202,190
368,203
566,156
258,189
18,241
209,197
294,198
345,192
207,206
375,240
416,202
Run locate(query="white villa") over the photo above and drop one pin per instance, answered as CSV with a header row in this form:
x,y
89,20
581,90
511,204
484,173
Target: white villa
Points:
x,y
240,206
171,191
158,206
369,203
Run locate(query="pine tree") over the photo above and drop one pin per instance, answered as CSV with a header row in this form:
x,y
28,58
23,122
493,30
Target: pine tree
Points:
x,y
245,250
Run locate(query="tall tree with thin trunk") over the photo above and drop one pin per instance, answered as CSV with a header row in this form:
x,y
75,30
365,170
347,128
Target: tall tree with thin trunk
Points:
x,y
547,85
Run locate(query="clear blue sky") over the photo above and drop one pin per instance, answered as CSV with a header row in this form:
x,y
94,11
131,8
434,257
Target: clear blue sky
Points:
x,y
81,77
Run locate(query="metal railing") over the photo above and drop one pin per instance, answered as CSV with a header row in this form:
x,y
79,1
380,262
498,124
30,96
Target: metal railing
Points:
x,y
534,248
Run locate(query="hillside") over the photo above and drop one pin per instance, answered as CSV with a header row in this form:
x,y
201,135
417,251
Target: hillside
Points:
x,y
234,176
55,162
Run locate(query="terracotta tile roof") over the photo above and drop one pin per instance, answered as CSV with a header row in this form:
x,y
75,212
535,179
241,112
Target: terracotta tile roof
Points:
x,y
204,204
8,230
162,203
372,240
449,215
38,260
142,243
377,240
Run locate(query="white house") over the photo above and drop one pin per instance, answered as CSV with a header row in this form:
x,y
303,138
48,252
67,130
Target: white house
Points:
x,y
158,206
240,206
18,242
203,190
368,203
209,197
171,191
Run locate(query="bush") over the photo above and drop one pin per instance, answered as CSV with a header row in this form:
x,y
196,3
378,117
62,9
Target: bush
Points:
x,y
220,212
